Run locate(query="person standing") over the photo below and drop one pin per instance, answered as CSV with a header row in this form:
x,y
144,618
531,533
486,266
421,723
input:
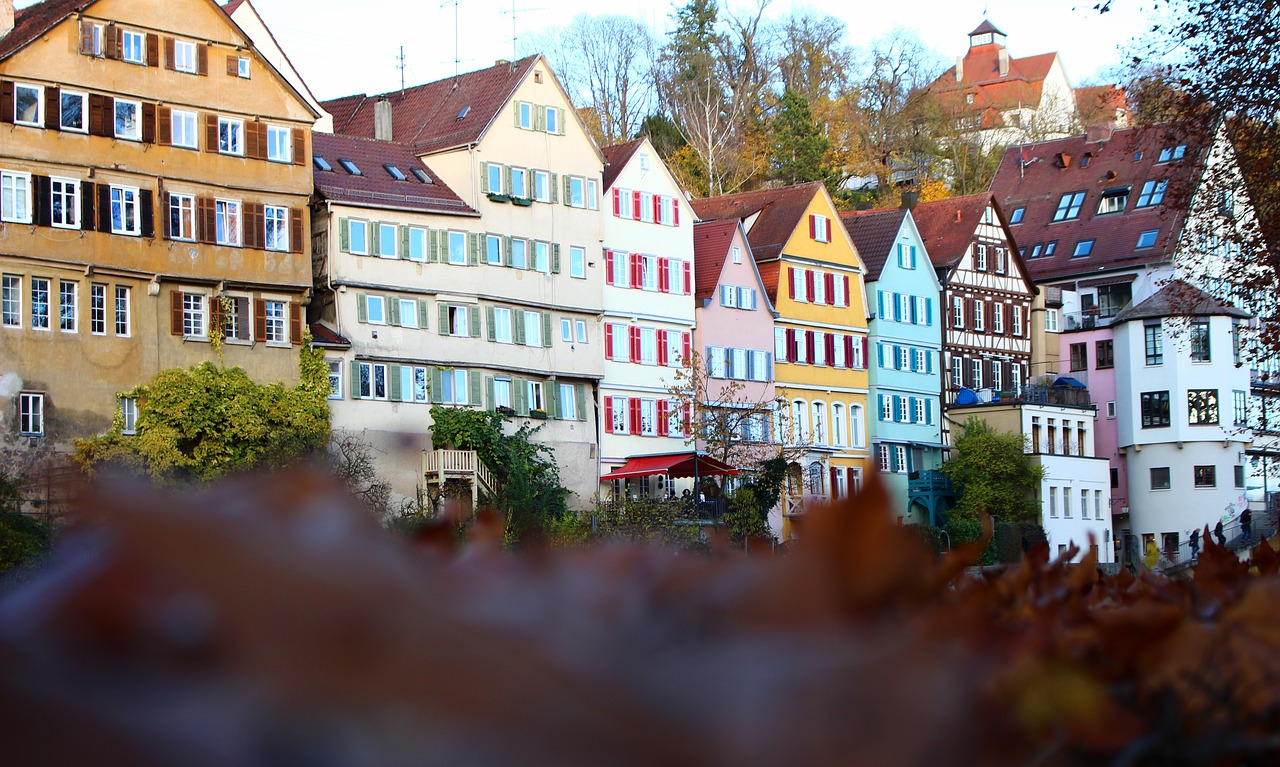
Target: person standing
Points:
x,y
1217,532
1194,543
1246,524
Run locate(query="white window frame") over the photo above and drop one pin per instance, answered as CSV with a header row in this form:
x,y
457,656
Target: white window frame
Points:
x,y
457,247
408,312
15,197
122,312
578,193
1017,321
519,182
335,378
957,312
230,136
129,38
68,306
496,173
502,325
38,120
279,144
242,67
502,392
975,372
195,315
980,315
459,321
31,414
388,240
542,186
535,394
276,238
69,191
41,299
552,122
185,206
568,402
532,328
184,57
227,222
127,201
621,342
354,225
821,228
519,253
378,317
566,330
63,97
128,415
277,322
593,196
183,129
371,391
136,133
580,326
577,262
542,257
97,309
526,113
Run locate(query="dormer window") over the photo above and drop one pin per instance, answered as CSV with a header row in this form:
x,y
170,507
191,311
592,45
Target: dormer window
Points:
x,y
1113,201
395,172
349,166
321,163
968,99
1173,153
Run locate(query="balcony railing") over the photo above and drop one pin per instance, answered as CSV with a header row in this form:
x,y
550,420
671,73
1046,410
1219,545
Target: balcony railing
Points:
x,y
1089,320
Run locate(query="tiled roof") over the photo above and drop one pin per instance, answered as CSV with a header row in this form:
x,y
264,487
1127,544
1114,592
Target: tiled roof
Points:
x,y
32,22
780,212
325,338
436,116
1180,299
1101,97
985,27
711,241
948,226
770,272
376,186
231,6
873,233
1033,177
1021,86
616,158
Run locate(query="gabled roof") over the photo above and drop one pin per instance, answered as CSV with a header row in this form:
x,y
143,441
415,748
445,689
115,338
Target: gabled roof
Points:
x,y
778,212
32,22
1035,177
437,116
711,241
874,233
948,226
616,158
375,186
1022,85
1180,299
985,27
231,6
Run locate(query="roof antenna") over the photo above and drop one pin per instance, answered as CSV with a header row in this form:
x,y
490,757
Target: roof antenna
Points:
x,y
456,60
400,66
515,14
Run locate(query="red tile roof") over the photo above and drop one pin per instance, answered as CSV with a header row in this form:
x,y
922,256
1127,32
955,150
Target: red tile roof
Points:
x,y
780,213
711,241
948,226
616,158
32,22
1180,299
1021,86
376,186
325,338
985,27
231,7
873,233
427,116
1034,178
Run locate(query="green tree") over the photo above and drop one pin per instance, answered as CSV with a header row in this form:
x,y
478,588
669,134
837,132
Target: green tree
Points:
x,y
799,148
748,514
992,475
204,422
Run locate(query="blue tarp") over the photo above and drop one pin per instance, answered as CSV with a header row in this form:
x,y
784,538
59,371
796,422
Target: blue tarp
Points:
x,y
1067,382
967,396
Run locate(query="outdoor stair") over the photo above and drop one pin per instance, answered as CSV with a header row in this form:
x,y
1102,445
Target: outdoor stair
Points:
x,y
439,466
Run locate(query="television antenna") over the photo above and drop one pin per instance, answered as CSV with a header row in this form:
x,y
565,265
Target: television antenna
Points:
x,y
515,13
457,62
400,66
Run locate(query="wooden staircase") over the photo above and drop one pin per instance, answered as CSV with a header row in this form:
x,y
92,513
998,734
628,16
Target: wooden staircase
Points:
x,y
439,466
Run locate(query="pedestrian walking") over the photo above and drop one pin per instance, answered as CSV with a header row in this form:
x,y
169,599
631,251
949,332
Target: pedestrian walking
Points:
x,y
1194,543
1152,556
1217,532
1246,524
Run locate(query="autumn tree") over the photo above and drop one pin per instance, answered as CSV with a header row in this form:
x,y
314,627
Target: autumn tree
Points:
x,y
993,475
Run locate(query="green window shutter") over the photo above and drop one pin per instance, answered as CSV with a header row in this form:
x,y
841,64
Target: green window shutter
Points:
x,y
555,187
520,396
476,241
344,236
580,394
362,307
433,251
506,250
516,106
488,316
393,310
484,174
488,392
555,258
510,177
568,194
473,321
393,382
474,380
540,119
517,322
375,237
354,384
546,328
551,389
404,242
443,327
424,314
437,387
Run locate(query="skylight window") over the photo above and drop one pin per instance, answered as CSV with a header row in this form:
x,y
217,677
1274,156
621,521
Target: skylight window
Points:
x,y
1016,216
1173,153
1147,238
1083,248
422,175
395,172
349,166
465,111
321,163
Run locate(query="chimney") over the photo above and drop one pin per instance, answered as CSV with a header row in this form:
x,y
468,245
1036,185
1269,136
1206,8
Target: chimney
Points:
x,y
958,216
381,119
6,17
959,69
909,200
1004,62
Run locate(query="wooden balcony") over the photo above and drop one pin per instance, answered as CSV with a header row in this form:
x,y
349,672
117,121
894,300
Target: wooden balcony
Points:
x,y
439,466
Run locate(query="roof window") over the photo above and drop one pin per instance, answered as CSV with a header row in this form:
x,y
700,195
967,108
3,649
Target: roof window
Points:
x,y
421,175
321,163
395,172
1173,153
349,166
465,111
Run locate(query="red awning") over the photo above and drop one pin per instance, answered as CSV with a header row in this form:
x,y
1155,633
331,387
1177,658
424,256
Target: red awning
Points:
x,y
671,464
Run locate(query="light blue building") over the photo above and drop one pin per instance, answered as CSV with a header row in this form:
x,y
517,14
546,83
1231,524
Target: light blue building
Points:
x,y
905,417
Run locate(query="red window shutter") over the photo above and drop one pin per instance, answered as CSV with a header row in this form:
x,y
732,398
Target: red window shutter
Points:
x,y
608,340
608,267
849,479
835,473
664,275
634,406
684,354
617,202
810,351
675,209
662,346
848,352
826,230
637,270
688,419
657,208
792,345
848,300
813,227
686,286
831,348
829,287
662,418
791,282
635,205
863,340
608,415
635,343
810,277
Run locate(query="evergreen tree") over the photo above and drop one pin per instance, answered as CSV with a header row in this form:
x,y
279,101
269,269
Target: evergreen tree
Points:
x,y
799,148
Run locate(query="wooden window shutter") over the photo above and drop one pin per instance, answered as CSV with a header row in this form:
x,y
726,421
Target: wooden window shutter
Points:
x,y
86,205
148,123
299,146
344,236
813,227
835,474
295,323
52,107
202,60
104,208
165,217
295,230
86,37
233,66
112,38
256,140
633,405
164,126
206,219
218,315
98,124
211,133
147,208
261,129
41,202
169,54
175,312
791,282
608,414
6,101
153,50
258,224
259,318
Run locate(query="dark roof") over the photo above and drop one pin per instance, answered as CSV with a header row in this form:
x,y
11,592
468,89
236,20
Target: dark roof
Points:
x,y
376,186
1180,299
984,28
780,212
1036,177
616,158
325,338
948,226
427,116
873,233
33,21
231,7
711,241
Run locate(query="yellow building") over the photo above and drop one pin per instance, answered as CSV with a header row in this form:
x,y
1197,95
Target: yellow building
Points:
x,y
814,276
156,174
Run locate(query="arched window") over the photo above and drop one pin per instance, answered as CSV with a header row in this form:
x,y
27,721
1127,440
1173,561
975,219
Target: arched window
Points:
x,y
815,479
857,425
819,423
798,422
838,425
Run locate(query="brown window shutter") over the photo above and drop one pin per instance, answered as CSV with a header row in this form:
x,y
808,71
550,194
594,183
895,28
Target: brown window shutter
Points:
x,y
255,141
242,319
153,50
86,205
6,101
52,107
217,317
148,123
147,209
165,220
206,220
86,38
97,114
299,146
164,126
295,322
113,37
261,129
210,133
169,54
259,318
202,60
42,202
295,230
253,214
175,312
104,208
233,66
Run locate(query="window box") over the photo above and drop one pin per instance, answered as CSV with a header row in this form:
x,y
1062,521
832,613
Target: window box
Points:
x,y
539,414
504,410
495,197
523,202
